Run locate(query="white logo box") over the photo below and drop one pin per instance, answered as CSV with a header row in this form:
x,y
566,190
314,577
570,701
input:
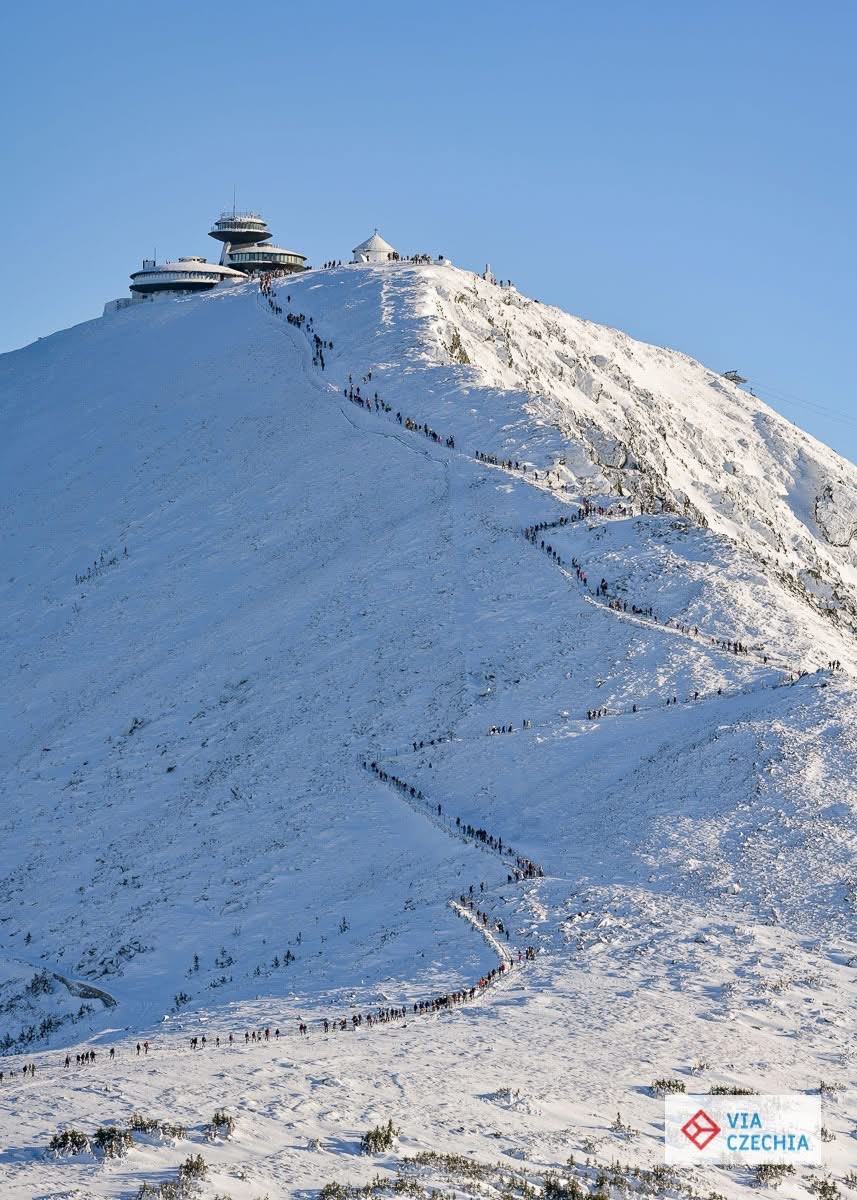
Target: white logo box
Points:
x,y
742,1130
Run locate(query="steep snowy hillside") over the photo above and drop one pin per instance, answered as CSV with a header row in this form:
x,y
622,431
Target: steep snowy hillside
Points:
x,y
275,567
648,422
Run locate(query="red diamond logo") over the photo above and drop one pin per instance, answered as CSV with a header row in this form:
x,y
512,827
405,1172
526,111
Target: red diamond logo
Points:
x,y
700,1129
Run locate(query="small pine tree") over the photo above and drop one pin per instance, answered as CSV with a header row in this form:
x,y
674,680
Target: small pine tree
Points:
x,y
382,1137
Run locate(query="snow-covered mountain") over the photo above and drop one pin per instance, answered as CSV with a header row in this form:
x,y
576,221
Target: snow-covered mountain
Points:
x,y
254,545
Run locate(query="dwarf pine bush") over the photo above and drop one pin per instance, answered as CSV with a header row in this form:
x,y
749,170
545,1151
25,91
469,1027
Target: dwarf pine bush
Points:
x,y
561,1189
141,1124
172,1130
824,1188
112,1141
70,1141
194,1167
771,1174
382,1137
667,1087
40,985
221,1124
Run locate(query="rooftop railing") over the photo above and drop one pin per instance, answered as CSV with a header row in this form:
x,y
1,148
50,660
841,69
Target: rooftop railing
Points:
x,y
229,218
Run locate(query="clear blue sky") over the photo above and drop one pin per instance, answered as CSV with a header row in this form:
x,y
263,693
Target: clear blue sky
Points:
x,y
683,170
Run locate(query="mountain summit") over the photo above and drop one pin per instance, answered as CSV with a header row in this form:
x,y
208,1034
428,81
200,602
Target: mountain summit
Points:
x,y
330,601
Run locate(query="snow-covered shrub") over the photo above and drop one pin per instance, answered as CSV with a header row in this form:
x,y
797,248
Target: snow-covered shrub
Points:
x,y
171,1130
824,1188
112,1141
70,1141
40,985
667,1087
382,1137
556,1188
333,1191
141,1124
771,1174
623,1130
151,1125
191,1172
221,1125
193,1168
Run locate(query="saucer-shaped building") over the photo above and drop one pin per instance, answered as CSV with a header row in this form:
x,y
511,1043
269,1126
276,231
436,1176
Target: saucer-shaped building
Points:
x,y
187,274
247,246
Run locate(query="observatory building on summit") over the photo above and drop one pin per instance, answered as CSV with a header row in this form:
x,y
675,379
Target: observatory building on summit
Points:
x,y
247,249
247,246
189,274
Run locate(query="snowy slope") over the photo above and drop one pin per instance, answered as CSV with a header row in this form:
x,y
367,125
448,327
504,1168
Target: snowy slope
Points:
x,y
226,587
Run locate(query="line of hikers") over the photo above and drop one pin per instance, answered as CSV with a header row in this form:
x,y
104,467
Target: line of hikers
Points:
x,y
507,464
28,1071
498,926
352,391
372,403
431,434
512,464
435,741
380,1017
617,604
525,867
585,510
731,645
